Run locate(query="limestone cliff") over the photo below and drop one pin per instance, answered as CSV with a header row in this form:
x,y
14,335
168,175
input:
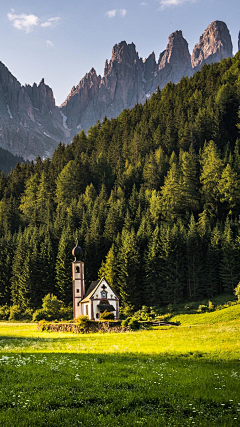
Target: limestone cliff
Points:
x,y
214,45
174,62
30,122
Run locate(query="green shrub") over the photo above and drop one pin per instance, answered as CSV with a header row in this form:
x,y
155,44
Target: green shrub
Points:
x,y
106,316
39,314
27,314
210,306
52,308
4,312
43,325
125,322
126,311
145,313
202,308
134,324
237,291
15,313
66,313
52,305
164,317
131,322
83,322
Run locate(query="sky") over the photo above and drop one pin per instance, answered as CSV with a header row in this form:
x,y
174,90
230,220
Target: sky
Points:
x,y
61,40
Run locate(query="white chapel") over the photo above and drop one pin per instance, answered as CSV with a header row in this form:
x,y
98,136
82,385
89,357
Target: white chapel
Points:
x,y
99,296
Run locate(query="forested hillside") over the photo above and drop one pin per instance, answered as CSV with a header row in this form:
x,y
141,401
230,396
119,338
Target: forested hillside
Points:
x,y
153,196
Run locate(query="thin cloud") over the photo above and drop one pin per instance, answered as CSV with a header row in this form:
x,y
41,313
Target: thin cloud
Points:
x,y
172,3
49,44
23,22
123,12
111,13
51,22
143,3
116,12
29,22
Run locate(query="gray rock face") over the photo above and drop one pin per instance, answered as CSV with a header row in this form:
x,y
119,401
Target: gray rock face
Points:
x,y
120,87
79,99
127,80
175,61
214,45
150,72
31,124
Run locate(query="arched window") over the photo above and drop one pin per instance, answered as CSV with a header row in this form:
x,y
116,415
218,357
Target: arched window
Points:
x,y
77,269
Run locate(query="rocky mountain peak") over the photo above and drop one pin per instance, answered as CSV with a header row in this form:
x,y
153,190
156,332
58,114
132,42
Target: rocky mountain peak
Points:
x,y
123,52
174,62
80,97
214,45
123,55
176,53
150,70
41,97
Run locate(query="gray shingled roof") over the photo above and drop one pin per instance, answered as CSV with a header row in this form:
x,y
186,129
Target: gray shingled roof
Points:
x,y
91,287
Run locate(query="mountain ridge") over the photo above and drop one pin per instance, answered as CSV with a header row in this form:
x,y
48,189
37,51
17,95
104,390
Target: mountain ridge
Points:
x,y
31,124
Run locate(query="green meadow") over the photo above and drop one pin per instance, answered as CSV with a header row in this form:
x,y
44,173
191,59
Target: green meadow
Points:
x,y
167,376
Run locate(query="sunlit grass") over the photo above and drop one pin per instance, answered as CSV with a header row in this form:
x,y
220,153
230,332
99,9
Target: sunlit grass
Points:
x,y
212,341
169,376
219,316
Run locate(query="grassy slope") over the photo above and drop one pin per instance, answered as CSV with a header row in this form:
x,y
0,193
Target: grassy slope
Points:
x,y
227,314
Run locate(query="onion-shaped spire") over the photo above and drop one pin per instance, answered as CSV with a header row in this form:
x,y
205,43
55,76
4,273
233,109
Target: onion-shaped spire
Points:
x,y
77,252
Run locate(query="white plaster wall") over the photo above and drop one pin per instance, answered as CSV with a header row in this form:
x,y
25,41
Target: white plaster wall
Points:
x,y
78,309
95,309
89,309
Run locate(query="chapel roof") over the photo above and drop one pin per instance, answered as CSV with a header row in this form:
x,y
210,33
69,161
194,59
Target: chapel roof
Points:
x,y
92,288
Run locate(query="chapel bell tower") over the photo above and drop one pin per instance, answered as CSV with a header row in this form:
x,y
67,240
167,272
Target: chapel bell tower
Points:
x,y
78,280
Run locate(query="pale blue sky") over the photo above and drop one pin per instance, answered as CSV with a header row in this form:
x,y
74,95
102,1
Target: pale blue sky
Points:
x,y
61,40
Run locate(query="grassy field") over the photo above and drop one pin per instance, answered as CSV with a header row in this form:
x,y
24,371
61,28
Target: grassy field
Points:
x,y
170,376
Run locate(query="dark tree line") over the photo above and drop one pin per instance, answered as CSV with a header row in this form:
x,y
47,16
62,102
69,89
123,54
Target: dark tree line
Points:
x,y
153,196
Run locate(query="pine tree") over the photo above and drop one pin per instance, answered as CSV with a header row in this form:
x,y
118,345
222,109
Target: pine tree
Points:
x,y
213,259
171,203
128,268
153,283
6,253
193,261
228,268
63,266
109,268
190,183
67,184
28,205
212,167
229,190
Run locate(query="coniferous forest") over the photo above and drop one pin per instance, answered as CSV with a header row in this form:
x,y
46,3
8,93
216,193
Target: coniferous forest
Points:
x,y
153,196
